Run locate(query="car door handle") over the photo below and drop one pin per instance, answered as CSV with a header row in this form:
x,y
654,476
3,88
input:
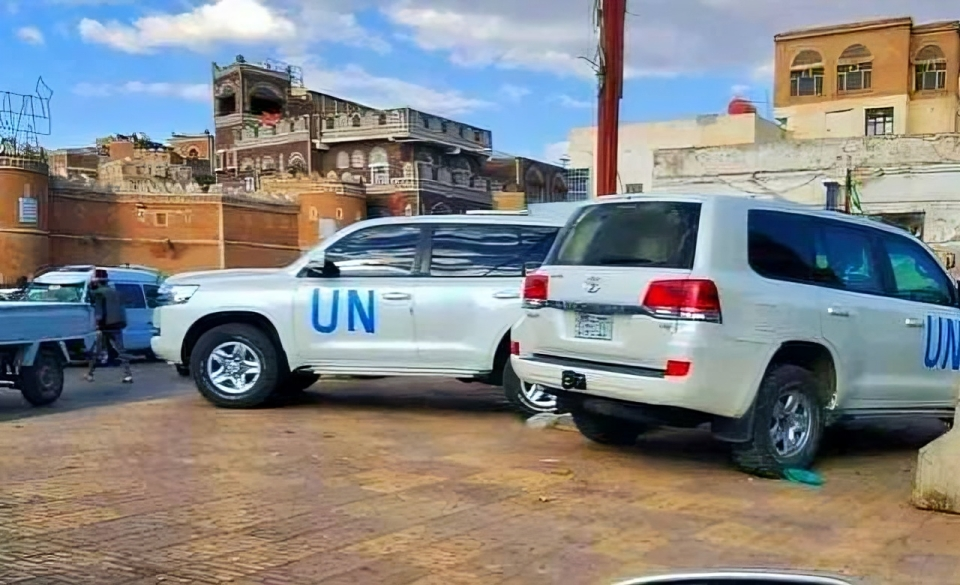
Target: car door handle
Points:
x,y
836,312
507,294
913,322
397,296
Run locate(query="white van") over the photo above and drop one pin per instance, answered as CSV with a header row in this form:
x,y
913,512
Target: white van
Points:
x,y
136,286
767,320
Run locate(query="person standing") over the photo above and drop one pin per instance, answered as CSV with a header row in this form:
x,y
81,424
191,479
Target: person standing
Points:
x,y
111,320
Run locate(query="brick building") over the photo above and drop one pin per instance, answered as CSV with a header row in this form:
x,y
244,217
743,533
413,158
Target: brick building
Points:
x,y
403,160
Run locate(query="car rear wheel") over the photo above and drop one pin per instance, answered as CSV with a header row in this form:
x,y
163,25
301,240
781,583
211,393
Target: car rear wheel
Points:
x,y
42,383
606,430
528,399
788,424
235,366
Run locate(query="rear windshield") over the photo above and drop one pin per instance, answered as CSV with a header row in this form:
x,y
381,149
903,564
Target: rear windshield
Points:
x,y
659,234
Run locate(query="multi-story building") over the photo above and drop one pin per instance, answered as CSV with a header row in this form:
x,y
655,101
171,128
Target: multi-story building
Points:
x,y
406,161
74,163
878,77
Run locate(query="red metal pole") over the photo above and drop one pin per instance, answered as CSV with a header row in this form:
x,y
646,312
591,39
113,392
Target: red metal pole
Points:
x,y
613,15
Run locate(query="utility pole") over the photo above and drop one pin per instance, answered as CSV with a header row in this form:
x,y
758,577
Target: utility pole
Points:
x,y
612,16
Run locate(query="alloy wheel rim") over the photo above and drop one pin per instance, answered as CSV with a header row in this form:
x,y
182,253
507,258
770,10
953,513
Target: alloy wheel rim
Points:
x,y
791,423
538,398
234,367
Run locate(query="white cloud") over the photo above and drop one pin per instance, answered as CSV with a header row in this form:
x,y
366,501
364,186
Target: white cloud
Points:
x,y
224,21
663,38
187,91
354,83
514,93
571,102
30,35
552,153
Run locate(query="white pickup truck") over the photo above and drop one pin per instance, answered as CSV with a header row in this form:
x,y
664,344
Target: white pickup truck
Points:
x,y
402,296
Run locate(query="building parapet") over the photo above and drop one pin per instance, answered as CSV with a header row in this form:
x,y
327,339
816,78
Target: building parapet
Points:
x,y
404,124
256,134
24,163
401,184
294,186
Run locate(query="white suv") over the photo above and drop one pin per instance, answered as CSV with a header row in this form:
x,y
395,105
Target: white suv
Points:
x,y
402,296
767,320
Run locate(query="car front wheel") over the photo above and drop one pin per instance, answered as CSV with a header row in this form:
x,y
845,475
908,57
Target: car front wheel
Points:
x,y
235,366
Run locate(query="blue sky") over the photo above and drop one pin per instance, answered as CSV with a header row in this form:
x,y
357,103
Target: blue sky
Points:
x,y
124,66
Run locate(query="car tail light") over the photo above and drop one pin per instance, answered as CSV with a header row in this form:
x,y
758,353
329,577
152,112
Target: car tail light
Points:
x,y
686,299
677,369
514,348
536,289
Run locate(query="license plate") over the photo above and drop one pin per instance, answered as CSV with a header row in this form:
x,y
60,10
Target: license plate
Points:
x,y
594,326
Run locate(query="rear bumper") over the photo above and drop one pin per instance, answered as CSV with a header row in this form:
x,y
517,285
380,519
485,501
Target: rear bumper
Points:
x,y
702,390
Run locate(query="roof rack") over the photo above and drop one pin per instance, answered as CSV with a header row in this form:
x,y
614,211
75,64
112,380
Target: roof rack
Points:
x,y
496,212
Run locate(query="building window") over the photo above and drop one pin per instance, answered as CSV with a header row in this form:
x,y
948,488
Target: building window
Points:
x,y
357,160
339,213
443,127
343,160
634,187
382,119
806,74
476,136
160,219
379,166
854,69
578,184
355,121
930,69
330,124
314,214
879,121
248,184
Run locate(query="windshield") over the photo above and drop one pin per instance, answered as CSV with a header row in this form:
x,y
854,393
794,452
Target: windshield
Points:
x,y
661,234
55,293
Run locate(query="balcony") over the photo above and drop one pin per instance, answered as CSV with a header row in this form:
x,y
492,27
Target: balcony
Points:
x,y
24,163
404,124
401,184
285,131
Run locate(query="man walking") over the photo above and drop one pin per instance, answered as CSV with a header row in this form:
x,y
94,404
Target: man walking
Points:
x,y
111,320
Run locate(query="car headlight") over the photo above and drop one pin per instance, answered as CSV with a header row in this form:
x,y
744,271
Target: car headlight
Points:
x,y
176,294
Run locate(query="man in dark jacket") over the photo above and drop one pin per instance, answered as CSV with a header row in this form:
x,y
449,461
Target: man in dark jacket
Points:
x,y
111,320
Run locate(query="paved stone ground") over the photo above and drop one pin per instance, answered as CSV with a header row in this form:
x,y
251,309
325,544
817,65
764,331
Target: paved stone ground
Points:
x,y
420,483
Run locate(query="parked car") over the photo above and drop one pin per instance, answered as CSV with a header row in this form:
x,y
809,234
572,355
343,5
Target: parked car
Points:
x,y
136,286
399,296
767,320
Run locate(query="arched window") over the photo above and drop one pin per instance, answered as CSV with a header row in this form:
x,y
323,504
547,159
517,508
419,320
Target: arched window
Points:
x,y
382,119
930,69
355,121
379,166
854,69
193,152
806,74
535,186
357,159
440,208
330,123
343,160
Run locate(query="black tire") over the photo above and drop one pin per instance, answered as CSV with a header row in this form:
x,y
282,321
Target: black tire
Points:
x,y
513,390
606,430
760,456
259,343
183,371
297,383
42,383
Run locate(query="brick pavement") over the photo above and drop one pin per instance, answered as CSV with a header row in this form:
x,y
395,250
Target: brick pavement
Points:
x,y
385,482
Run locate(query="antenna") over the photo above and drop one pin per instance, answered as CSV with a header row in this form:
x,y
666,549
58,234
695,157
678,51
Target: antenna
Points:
x,y
23,118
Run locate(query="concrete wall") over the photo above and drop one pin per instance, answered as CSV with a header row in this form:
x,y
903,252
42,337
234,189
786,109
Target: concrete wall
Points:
x,y
892,174
639,141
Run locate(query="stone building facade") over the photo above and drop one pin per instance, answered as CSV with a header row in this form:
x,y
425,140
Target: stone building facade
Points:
x,y
53,221
406,161
877,77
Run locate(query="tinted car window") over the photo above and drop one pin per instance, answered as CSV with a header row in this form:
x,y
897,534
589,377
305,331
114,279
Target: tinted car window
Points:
x,y
475,250
150,292
916,275
660,234
845,258
780,245
536,242
387,250
131,295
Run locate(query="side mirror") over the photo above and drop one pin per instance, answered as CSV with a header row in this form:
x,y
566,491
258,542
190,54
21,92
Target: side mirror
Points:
x,y
529,267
